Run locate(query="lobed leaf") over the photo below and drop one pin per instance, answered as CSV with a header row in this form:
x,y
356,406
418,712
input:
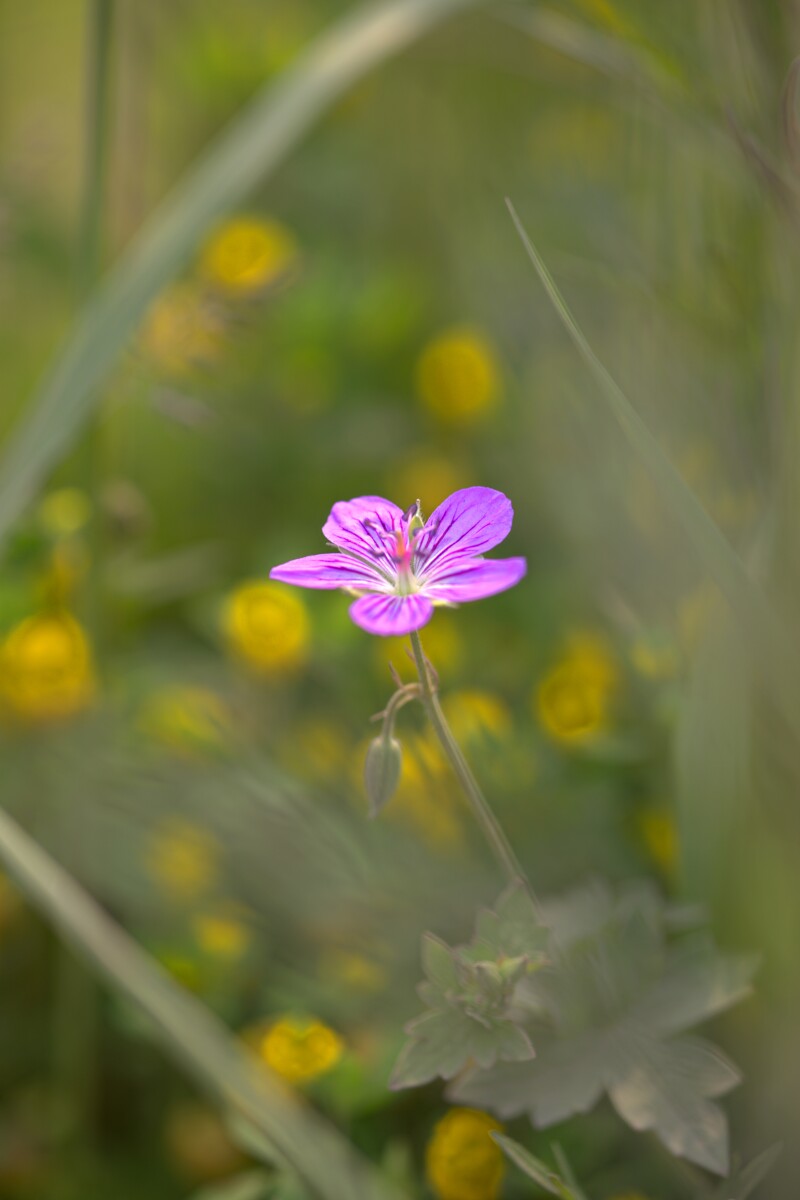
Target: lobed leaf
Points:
x,y
607,1009
668,1090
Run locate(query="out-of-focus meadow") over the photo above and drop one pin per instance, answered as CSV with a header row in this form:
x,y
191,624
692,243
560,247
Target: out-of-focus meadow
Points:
x,y
187,738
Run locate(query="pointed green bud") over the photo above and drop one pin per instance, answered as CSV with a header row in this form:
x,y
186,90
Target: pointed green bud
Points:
x,y
382,769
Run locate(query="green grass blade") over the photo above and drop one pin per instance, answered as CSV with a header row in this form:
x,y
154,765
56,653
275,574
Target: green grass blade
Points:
x,y
535,1169
302,1140
246,153
774,654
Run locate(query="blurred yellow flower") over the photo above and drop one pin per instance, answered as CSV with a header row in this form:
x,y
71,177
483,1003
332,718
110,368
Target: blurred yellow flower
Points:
x,y
659,832
65,511
458,377
426,800
266,626
46,668
222,933
354,971
461,1160
476,716
300,1049
186,719
181,330
183,858
444,647
248,254
199,1144
573,701
320,749
427,477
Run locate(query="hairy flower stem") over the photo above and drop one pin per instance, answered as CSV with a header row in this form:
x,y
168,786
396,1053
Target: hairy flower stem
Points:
x,y
492,830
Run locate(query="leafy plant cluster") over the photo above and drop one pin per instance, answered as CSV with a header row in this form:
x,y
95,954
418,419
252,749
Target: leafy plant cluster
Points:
x,y
594,993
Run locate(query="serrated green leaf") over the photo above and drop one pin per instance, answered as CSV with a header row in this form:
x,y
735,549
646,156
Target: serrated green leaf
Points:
x,y
606,1009
442,1043
470,994
513,929
439,964
568,1078
697,983
668,1090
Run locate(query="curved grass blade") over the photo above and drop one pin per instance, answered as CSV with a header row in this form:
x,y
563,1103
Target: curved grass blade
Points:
x,y
774,654
300,1138
536,1170
247,151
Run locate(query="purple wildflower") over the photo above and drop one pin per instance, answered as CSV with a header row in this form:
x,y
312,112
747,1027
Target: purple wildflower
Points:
x,y
401,566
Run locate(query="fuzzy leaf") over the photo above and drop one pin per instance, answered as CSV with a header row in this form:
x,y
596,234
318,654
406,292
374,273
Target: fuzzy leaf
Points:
x,y
470,995
512,930
669,1090
443,1042
697,984
439,964
606,1011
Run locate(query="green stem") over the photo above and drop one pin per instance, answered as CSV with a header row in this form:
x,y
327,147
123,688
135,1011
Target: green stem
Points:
x,y
488,822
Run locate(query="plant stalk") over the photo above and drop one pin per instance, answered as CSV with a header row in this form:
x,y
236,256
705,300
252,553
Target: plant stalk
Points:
x,y
490,826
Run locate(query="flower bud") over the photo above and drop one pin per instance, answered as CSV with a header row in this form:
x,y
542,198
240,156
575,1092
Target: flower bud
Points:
x,y
382,768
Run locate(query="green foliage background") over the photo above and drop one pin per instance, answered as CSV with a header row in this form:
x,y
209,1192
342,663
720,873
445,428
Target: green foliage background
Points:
x,y
651,152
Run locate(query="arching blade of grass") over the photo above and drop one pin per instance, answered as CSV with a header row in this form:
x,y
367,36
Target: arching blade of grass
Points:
x,y
773,653
301,1139
251,147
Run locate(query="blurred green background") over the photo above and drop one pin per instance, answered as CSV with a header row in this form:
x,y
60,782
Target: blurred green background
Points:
x,y
188,738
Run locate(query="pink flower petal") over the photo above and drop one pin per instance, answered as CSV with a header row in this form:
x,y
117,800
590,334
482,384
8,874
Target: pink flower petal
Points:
x,y
476,580
466,524
391,616
366,526
331,571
